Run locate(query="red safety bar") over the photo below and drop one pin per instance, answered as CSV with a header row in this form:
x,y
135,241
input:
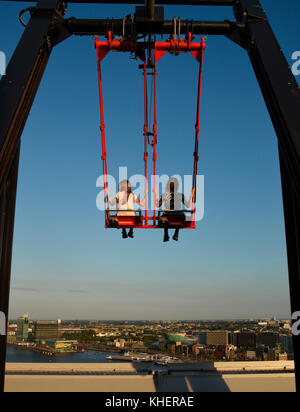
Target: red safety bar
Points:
x,y
150,54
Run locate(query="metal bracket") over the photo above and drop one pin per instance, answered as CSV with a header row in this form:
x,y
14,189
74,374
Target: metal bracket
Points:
x,y
40,11
240,36
58,31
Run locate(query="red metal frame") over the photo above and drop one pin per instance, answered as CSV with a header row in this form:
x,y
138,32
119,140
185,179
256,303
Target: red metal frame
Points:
x,y
150,54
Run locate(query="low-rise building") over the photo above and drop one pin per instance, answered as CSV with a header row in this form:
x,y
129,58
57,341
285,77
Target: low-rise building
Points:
x,y
62,345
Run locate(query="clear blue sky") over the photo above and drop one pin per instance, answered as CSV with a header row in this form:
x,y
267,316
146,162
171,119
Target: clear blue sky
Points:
x,y
67,265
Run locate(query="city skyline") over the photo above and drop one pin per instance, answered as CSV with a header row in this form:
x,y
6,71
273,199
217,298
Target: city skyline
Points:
x,y
247,319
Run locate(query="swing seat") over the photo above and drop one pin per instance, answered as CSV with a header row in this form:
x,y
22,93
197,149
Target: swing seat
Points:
x,y
124,222
176,220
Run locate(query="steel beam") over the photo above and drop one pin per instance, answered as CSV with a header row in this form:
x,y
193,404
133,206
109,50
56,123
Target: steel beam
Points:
x,y
17,90
118,27
150,9
160,2
7,218
282,96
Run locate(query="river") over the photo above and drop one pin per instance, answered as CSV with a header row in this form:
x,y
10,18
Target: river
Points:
x,y
20,355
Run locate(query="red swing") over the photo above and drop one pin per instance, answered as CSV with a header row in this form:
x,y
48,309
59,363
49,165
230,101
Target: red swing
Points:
x,y
150,53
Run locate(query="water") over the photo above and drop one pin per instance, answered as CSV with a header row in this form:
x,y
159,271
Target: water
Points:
x,y
19,355
15,355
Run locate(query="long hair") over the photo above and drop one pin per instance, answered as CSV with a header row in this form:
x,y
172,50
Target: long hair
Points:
x,y
175,182
127,184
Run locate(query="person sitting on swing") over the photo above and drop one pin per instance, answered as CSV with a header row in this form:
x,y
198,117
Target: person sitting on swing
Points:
x,y
172,201
125,200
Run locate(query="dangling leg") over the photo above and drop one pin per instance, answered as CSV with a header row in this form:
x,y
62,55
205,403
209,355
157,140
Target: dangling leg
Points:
x,y
176,235
124,234
166,236
130,233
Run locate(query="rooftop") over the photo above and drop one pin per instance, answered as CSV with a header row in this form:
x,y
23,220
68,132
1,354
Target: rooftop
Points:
x,y
138,377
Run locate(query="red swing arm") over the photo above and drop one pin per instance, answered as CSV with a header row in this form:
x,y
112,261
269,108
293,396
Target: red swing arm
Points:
x,y
156,51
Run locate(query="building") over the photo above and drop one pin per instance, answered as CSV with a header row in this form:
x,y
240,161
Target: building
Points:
x,y
234,339
185,349
46,330
262,353
176,338
22,329
251,355
202,338
69,330
171,347
274,353
246,340
283,357
196,349
120,343
268,339
217,338
287,344
62,345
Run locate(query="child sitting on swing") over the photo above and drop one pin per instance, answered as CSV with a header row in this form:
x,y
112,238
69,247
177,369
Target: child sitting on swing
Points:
x,y
125,200
172,201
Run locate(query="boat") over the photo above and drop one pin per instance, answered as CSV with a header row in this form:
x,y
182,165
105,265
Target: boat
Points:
x,y
122,358
166,360
144,357
131,357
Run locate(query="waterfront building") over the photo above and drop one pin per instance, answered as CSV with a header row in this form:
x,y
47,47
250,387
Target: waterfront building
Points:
x,y
22,329
120,343
63,345
46,330
69,330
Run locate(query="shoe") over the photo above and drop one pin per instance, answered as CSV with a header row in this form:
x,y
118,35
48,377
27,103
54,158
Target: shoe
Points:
x,y
124,235
175,238
130,234
166,239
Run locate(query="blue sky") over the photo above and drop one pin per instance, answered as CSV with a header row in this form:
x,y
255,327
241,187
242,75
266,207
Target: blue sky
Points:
x,y
66,265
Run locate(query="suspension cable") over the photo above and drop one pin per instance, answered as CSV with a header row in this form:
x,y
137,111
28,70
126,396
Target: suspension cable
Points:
x,y
103,141
197,129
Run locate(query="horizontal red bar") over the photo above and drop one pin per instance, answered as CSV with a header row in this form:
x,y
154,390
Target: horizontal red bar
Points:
x,y
125,45
150,227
